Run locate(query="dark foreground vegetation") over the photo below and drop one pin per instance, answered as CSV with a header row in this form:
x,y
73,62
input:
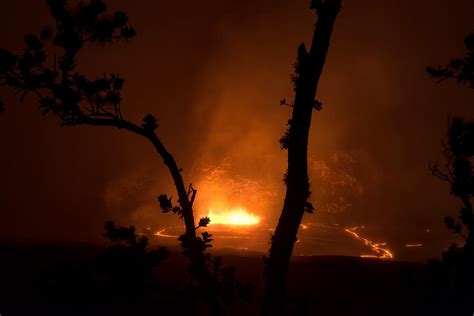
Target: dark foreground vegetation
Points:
x,y
66,279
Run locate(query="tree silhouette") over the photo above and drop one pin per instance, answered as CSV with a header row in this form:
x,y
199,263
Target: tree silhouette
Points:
x,y
459,173
459,149
308,70
75,99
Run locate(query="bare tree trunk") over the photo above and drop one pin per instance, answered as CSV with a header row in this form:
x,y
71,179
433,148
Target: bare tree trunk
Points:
x,y
308,71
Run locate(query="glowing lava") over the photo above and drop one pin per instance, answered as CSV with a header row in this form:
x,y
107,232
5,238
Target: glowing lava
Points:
x,y
413,245
162,233
382,253
237,216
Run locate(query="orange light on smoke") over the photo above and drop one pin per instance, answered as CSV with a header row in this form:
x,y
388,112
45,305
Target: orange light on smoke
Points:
x,y
237,216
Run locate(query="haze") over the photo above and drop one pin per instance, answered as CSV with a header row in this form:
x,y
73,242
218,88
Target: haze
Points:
x,y
214,73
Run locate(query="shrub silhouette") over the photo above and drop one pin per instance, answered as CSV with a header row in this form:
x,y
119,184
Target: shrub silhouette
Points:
x,y
127,264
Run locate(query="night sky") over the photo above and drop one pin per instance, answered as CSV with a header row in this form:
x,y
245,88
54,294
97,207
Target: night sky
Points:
x,y
213,72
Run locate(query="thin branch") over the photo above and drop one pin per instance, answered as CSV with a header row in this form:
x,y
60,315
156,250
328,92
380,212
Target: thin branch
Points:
x,y
36,91
443,79
441,175
121,124
462,235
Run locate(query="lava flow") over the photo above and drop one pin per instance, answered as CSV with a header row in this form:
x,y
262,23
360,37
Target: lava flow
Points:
x,y
162,233
382,253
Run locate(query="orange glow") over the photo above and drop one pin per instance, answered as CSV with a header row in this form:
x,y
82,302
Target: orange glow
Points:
x,y
162,233
231,199
237,216
382,253
369,256
413,245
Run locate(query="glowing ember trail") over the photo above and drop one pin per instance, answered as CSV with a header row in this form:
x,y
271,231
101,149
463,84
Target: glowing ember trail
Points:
x,y
238,216
413,245
382,253
162,233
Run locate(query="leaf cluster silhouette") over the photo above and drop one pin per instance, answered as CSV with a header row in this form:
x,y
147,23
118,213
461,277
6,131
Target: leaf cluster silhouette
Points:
x,y
61,90
128,263
460,69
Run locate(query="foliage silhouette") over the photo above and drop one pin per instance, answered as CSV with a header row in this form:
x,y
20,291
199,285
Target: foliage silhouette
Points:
x,y
308,70
127,264
71,283
460,69
455,271
119,277
75,99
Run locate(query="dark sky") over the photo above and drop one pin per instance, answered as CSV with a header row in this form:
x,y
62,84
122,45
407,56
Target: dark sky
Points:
x,y
213,72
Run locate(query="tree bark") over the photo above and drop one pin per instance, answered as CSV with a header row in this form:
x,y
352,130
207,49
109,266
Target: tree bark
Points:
x,y
308,71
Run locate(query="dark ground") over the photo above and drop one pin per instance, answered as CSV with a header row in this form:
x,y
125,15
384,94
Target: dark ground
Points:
x,y
324,285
